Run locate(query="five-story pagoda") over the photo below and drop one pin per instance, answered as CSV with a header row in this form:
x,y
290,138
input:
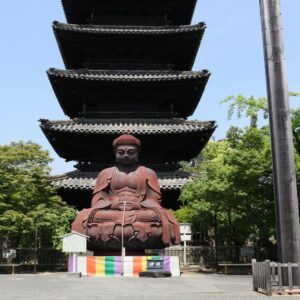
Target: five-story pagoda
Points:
x,y
128,70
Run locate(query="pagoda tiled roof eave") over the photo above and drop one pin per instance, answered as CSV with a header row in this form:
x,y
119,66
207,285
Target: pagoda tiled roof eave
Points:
x,y
151,46
133,126
97,75
181,89
145,30
177,139
77,180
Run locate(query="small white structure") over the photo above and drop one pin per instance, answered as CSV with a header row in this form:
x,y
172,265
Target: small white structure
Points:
x,y
185,235
74,243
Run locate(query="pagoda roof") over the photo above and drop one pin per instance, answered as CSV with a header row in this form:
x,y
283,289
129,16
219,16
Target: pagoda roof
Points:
x,y
76,187
125,93
130,126
139,76
163,141
128,47
77,180
133,12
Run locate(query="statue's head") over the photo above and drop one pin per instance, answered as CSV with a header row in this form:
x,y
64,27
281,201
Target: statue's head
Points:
x,y
127,148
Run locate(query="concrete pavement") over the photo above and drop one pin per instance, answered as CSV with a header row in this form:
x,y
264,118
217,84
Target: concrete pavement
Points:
x,y
56,286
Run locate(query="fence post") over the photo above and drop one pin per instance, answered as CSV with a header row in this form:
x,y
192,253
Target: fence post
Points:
x,y
268,278
298,277
279,276
290,276
273,268
254,274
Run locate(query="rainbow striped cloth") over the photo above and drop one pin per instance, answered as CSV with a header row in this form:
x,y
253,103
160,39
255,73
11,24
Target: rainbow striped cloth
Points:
x,y
112,265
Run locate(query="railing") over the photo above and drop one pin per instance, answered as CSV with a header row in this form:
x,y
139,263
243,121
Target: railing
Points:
x,y
271,277
225,259
212,256
33,260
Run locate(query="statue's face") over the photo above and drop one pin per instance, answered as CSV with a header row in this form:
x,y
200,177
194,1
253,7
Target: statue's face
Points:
x,y
127,155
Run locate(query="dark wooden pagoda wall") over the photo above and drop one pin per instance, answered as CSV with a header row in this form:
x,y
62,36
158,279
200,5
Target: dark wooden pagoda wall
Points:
x,y
129,12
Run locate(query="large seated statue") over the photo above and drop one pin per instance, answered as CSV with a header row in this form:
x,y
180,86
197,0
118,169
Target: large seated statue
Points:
x,y
127,204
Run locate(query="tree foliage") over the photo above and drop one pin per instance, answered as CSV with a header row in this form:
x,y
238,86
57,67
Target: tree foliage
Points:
x,y
27,199
232,199
233,195
251,107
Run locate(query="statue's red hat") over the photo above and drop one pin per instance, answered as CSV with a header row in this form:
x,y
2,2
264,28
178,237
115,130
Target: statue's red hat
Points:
x,y
126,139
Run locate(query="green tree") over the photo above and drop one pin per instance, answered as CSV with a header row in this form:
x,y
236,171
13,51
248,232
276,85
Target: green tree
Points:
x,y
295,114
251,107
232,196
27,199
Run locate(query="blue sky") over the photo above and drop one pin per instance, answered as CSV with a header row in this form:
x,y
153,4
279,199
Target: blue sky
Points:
x,y
231,49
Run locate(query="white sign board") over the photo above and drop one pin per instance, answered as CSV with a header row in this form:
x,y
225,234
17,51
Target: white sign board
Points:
x,y
75,242
185,232
185,237
185,228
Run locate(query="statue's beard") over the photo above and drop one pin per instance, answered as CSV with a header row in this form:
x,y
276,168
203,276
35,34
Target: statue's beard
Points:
x,y
126,161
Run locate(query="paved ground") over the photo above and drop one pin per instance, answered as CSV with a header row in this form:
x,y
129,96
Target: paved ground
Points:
x,y
187,287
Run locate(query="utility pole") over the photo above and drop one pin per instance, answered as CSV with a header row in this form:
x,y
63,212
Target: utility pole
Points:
x,y
284,175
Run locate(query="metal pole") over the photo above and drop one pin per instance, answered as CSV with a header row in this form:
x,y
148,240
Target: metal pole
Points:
x,y
123,249
281,134
184,253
